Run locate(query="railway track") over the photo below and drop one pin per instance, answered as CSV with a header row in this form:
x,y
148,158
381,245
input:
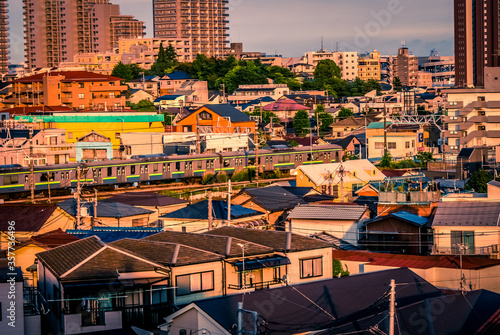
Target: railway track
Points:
x,y
89,193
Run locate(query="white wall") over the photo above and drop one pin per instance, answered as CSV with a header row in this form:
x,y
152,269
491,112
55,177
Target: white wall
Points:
x,y
73,323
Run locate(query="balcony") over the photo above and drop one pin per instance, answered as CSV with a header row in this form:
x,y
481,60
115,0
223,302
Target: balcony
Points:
x,y
490,250
412,197
256,286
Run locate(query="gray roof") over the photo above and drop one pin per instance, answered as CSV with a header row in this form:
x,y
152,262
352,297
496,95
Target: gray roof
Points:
x,y
467,213
328,212
229,111
104,209
273,198
494,183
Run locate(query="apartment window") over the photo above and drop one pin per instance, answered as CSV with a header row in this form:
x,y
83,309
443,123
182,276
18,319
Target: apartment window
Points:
x,y
111,94
462,242
407,144
81,85
379,145
312,267
81,96
195,282
391,145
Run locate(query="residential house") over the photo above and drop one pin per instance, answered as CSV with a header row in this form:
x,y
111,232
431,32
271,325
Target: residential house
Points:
x,y
285,109
15,316
198,218
350,145
275,201
449,272
148,84
246,93
141,143
215,119
139,95
159,204
75,89
111,234
171,82
25,252
49,147
399,232
111,214
168,101
30,220
349,126
343,221
93,147
352,302
341,179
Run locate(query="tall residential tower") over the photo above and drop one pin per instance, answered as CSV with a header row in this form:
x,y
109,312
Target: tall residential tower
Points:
x,y
4,41
477,43
203,22
56,30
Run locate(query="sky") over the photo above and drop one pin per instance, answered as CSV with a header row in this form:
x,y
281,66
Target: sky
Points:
x,y
294,27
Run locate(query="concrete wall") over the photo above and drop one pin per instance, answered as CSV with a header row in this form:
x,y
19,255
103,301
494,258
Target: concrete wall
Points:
x,y
72,323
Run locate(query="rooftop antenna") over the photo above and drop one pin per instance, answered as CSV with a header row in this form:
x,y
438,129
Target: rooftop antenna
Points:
x,y
403,44
337,47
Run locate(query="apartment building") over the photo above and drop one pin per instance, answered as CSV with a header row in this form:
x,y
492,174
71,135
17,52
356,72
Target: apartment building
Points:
x,y
477,124
441,68
347,61
74,89
369,67
4,41
56,30
246,93
202,22
149,48
405,67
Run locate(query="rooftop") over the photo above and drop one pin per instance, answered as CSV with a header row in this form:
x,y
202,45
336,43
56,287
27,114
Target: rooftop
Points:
x,y
199,211
151,199
467,213
26,217
328,212
69,76
104,209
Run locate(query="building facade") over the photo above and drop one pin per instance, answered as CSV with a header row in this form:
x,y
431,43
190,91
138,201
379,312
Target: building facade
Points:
x,y
4,47
96,26
203,23
369,67
476,40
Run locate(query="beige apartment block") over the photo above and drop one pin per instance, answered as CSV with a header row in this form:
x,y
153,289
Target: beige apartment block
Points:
x,y
405,67
347,61
202,22
4,41
57,30
369,67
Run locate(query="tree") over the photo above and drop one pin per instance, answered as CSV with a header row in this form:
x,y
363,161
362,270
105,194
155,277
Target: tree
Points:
x,y
478,181
397,85
325,71
386,161
344,113
338,270
266,115
301,121
166,61
326,120
424,157
127,72
143,106
244,75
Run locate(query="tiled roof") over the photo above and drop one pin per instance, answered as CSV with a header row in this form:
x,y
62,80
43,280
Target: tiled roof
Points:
x,y
328,212
75,76
64,258
336,242
273,198
414,261
163,252
402,215
211,243
27,217
199,211
270,238
104,209
177,75
55,238
285,105
145,199
110,234
322,304
229,111
467,213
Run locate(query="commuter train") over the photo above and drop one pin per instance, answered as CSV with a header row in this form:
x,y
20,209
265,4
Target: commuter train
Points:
x,y
148,169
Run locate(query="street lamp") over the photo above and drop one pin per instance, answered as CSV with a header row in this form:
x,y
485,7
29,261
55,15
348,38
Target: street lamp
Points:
x,y
244,276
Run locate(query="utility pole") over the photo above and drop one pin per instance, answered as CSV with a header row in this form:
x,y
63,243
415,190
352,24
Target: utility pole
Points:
x,y
229,203
341,173
95,208
210,218
392,307
32,173
257,164
78,190
385,130
198,144
48,185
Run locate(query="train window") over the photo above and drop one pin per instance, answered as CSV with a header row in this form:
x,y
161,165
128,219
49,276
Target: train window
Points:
x,y
155,167
267,160
168,167
26,179
200,165
119,171
46,177
110,171
190,166
132,169
67,175
227,162
142,168
327,155
177,166
146,169
164,167
309,157
241,161
9,180
99,172
283,159
251,161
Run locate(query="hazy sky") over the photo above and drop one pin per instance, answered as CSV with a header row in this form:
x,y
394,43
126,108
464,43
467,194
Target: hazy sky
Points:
x,y
293,27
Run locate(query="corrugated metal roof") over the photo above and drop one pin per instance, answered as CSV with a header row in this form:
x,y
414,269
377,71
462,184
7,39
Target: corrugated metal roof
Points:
x,y
418,220
199,211
229,112
27,217
467,213
327,212
110,234
104,209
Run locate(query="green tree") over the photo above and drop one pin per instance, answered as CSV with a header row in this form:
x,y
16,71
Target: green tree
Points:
x,y
478,181
326,70
127,72
293,144
144,106
301,121
326,120
338,270
397,85
386,161
244,75
166,61
424,157
266,115
344,113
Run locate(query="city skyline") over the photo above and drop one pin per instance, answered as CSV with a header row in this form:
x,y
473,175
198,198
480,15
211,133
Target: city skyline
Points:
x,y
271,27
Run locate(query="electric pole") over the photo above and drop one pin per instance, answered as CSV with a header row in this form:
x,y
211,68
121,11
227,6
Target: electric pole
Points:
x,y
385,130
210,217
229,203
78,190
32,173
392,307
198,144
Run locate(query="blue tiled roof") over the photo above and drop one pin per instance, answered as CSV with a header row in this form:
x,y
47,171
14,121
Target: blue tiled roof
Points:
x,y
199,211
418,220
104,209
111,234
167,97
178,75
229,111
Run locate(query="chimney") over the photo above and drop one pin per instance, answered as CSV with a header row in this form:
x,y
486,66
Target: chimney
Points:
x,y
288,241
176,253
228,245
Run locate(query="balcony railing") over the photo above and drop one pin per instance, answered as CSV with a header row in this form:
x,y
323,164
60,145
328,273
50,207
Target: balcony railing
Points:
x,y
486,250
257,286
412,197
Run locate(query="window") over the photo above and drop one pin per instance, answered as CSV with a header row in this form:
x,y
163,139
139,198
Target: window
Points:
x,y
9,180
196,282
379,145
155,167
283,159
391,145
141,222
81,96
312,267
81,85
407,144
177,166
205,116
132,169
462,242
110,171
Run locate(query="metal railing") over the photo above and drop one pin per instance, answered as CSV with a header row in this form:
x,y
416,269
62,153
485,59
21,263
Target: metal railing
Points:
x,y
257,286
